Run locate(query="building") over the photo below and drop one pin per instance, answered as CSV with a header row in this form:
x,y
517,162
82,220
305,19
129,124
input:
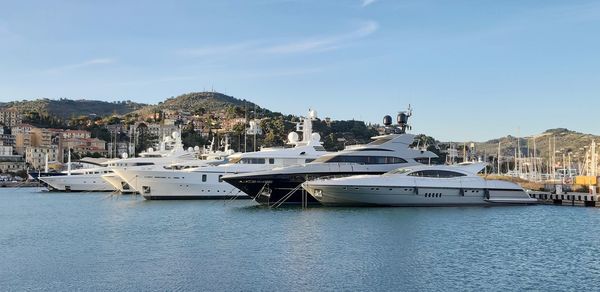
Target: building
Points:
x,y
36,156
76,134
83,146
161,131
6,150
12,163
29,136
10,118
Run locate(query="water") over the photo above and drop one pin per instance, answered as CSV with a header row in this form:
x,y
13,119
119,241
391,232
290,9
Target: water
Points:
x,y
61,242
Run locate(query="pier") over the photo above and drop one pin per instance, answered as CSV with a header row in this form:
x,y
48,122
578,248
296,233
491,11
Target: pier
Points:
x,y
567,199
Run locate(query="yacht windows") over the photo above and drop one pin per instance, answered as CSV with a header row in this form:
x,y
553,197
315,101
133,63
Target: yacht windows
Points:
x,y
319,148
436,173
252,161
142,163
381,140
362,159
271,160
220,178
204,178
373,149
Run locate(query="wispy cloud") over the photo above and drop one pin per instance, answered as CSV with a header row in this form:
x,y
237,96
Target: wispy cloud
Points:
x,y
306,45
88,63
366,3
219,49
324,43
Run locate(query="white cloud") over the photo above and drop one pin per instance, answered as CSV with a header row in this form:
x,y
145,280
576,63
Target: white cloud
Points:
x,y
366,3
323,43
311,44
218,49
88,63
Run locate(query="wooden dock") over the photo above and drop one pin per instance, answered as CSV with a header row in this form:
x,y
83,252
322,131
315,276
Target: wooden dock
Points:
x,y
567,199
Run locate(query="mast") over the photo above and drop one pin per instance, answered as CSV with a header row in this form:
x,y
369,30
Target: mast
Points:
x,y
69,163
46,163
498,159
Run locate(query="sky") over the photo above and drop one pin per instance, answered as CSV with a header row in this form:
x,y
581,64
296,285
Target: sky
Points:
x,y
472,70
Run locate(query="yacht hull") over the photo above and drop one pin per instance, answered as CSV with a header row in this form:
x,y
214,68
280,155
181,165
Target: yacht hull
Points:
x,y
77,183
281,188
118,184
409,196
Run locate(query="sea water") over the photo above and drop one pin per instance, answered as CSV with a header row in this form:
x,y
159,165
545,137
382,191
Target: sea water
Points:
x,y
99,241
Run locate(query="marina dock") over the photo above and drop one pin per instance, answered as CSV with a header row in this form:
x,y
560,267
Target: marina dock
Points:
x,y
567,199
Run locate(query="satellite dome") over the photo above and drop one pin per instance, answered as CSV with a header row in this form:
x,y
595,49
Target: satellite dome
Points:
x,y
190,149
150,150
196,148
175,135
315,137
312,114
293,137
387,120
124,155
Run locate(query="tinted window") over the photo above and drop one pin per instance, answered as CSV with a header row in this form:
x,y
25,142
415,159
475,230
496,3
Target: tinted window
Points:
x,y
364,159
436,173
204,178
252,161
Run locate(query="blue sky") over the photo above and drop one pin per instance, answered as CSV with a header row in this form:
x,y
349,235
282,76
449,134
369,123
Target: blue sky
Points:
x,y
473,70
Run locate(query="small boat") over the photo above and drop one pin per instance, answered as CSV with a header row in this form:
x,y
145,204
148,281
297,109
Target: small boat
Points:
x,y
423,185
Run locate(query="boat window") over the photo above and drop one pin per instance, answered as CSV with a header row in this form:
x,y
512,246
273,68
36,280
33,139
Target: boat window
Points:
x,y
319,148
400,171
361,159
204,178
309,160
220,178
252,161
436,173
271,160
373,149
142,163
381,140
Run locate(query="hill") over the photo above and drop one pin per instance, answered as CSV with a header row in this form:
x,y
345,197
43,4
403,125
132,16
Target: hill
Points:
x,y
566,141
68,108
199,101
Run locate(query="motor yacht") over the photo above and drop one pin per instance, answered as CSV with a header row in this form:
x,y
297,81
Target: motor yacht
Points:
x,y
423,185
205,182
385,153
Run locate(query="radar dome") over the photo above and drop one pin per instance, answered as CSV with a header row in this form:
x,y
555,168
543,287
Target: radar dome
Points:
x,y
196,148
124,155
175,135
387,120
312,114
315,137
190,149
293,137
150,150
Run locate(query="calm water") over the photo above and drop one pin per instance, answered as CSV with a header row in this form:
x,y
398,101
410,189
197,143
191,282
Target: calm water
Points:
x,y
58,242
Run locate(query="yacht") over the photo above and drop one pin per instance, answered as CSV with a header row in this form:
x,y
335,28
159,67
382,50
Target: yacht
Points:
x,y
385,153
205,182
80,180
170,153
86,177
424,185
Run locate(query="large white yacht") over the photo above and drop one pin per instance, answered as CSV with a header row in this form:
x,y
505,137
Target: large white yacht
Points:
x,y
79,180
424,185
205,182
385,153
171,153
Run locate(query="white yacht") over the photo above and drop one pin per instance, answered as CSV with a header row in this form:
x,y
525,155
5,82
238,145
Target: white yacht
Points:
x,y
205,182
86,177
424,185
170,153
79,180
385,153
